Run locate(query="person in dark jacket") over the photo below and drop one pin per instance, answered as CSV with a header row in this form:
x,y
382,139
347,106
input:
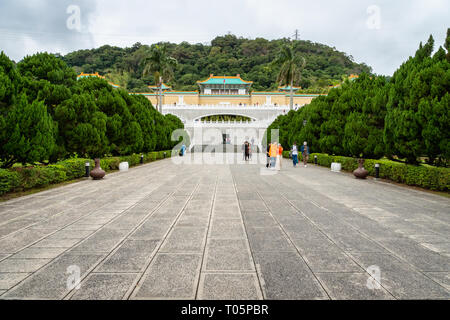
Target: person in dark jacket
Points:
x,y
247,150
305,153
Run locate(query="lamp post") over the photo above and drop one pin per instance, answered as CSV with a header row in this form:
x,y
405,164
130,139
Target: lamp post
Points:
x,y
160,94
87,166
377,171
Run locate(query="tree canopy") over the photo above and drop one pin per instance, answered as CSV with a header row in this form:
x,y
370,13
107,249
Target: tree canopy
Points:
x,y
225,55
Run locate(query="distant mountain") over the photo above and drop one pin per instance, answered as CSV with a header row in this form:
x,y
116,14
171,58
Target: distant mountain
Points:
x,y
226,55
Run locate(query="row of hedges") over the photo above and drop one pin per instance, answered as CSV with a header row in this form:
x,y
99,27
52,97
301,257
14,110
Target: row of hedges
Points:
x,y
19,179
424,176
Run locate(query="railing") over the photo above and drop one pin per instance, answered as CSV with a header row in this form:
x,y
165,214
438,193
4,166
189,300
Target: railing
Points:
x,y
227,106
223,124
223,121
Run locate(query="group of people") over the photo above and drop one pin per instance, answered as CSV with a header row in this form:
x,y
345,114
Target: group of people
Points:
x,y
247,147
305,154
275,155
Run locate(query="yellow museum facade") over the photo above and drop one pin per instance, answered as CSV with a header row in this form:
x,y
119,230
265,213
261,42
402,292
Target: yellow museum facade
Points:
x,y
222,90
228,90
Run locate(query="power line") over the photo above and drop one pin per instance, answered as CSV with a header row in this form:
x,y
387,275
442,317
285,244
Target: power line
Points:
x,y
296,35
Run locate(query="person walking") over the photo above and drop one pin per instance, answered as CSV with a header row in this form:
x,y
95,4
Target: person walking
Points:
x,y
268,156
280,155
305,153
279,151
294,153
273,155
247,150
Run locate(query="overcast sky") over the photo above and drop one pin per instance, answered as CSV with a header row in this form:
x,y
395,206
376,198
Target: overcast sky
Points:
x,y
381,33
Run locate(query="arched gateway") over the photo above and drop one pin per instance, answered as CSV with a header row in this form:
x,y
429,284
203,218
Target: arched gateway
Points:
x,y
227,95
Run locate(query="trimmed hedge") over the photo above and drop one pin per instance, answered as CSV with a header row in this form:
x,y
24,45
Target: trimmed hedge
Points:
x,y
424,176
19,179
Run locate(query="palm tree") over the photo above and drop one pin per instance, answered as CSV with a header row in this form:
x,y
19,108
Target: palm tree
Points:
x,y
291,64
161,66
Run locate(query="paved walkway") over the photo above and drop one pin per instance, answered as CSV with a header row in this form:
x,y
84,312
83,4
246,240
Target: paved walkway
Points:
x,y
166,231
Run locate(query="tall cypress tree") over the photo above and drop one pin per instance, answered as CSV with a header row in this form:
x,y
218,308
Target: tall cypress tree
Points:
x,y
31,133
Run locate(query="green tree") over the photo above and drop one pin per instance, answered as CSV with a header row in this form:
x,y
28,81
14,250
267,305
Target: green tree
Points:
x,y
31,133
161,66
290,65
417,109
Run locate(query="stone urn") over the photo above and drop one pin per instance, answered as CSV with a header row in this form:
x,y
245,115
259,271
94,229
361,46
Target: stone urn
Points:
x,y
97,173
360,172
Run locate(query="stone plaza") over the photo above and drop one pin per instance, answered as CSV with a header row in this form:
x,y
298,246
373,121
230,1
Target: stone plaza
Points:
x,y
226,231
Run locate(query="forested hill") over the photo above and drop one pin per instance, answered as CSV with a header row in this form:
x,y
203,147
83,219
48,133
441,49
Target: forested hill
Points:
x,y
226,55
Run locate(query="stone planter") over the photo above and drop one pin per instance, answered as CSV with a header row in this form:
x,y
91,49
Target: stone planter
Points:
x,y
124,166
97,173
360,172
336,167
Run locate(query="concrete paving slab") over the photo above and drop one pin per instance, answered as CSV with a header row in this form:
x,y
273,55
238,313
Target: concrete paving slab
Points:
x,y
102,241
170,276
71,234
193,221
185,239
291,279
83,227
400,278
252,205
330,261
51,281
21,239
9,280
4,256
355,242
437,246
268,239
417,255
21,265
351,286
105,287
258,219
227,229
130,257
228,255
56,243
223,286
443,278
38,253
